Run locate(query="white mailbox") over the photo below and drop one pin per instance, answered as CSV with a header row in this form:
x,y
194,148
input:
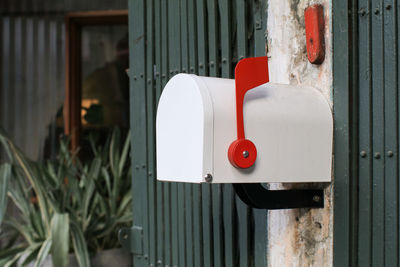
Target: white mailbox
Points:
x,y
290,126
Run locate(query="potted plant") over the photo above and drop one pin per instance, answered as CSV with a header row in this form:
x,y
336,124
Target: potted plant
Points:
x,y
65,205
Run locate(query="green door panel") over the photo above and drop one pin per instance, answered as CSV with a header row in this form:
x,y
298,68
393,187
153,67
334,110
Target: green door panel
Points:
x,y
366,110
186,224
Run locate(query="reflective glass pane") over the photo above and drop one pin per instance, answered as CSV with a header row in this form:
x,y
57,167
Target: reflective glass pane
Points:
x,y
105,84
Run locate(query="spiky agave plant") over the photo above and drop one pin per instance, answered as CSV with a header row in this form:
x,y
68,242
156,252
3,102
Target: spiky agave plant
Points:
x,y
64,205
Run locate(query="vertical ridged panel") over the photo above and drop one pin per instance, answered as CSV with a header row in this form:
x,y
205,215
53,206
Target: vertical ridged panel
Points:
x,y
378,124
260,216
366,103
17,81
138,119
193,191
243,211
216,190
185,232
174,68
150,91
32,80
391,136
46,6
227,203
365,138
5,70
166,186
198,225
159,85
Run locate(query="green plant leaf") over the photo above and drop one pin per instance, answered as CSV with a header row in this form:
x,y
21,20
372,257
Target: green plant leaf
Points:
x,y
5,173
22,229
114,152
14,259
95,194
60,239
90,190
34,181
43,252
107,179
18,195
125,203
6,143
11,252
30,253
125,151
80,246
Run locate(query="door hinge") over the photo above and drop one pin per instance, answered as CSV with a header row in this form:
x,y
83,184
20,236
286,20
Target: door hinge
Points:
x,y
131,239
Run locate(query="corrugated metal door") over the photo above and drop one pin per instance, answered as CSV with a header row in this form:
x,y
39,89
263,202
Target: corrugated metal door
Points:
x,y
32,67
184,224
366,102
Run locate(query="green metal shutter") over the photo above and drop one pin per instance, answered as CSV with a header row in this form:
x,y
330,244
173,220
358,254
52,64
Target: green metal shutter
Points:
x,y
366,103
183,224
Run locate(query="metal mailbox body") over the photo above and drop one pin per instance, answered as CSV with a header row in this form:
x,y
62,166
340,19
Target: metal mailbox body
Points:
x,y
291,127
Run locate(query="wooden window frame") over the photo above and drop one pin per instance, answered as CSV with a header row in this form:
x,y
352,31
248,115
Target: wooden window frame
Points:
x,y
74,22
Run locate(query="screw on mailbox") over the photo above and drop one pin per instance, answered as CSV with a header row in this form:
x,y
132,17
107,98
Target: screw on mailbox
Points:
x,y
208,178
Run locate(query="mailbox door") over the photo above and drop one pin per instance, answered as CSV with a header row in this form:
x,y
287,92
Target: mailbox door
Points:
x,y
178,224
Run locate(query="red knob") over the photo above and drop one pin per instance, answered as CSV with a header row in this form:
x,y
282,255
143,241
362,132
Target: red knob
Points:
x,y
242,153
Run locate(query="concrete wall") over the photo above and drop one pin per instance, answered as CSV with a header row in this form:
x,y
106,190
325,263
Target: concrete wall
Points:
x,y
300,237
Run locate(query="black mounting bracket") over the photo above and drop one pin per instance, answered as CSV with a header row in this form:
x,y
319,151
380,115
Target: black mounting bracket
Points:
x,y
257,196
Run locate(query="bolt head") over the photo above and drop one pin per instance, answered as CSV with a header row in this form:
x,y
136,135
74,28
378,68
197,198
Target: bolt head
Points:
x,y
208,178
245,154
363,154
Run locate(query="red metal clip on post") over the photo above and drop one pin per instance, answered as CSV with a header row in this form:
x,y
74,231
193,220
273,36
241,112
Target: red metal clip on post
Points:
x,y
249,73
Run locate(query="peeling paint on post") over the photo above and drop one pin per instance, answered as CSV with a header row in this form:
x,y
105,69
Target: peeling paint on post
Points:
x,y
299,237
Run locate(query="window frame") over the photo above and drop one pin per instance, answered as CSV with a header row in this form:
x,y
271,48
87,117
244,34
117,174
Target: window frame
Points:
x,y
74,22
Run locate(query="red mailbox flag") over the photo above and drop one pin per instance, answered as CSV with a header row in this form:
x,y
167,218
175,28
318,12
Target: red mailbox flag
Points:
x,y
249,73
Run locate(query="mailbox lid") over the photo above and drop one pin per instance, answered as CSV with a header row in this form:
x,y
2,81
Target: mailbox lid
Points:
x,y
291,127
184,130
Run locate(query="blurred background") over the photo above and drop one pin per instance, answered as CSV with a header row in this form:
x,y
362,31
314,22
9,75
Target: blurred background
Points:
x,y
33,66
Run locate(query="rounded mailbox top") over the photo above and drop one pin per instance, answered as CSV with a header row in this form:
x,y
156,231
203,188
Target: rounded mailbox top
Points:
x,y
184,125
